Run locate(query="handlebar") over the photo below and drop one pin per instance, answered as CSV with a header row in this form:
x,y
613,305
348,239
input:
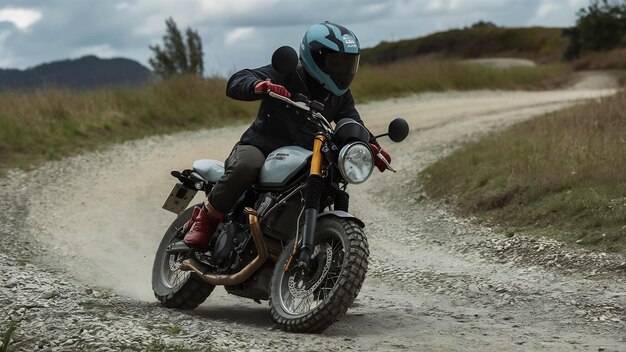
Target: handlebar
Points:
x,y
299,104
319,119
315,116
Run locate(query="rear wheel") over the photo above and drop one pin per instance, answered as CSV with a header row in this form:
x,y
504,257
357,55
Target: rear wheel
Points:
x,y
173,287
311,302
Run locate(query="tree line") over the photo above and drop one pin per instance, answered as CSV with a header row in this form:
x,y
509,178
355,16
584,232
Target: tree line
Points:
x,y
601,26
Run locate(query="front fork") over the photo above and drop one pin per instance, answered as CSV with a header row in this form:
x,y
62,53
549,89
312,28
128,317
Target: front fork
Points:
x,y
312,196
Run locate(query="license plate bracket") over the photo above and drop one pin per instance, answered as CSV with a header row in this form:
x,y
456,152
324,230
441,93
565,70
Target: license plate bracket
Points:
x,y
179,198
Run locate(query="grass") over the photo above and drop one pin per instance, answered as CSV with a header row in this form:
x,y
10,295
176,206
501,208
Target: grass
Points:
x,y
608,60
538,43
54,123
6,337
421,75
50,124
562,175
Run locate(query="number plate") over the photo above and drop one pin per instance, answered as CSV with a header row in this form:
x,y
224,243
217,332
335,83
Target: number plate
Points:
x,y
179,198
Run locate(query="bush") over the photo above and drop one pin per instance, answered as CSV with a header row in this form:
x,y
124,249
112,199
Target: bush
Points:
x,y
600,27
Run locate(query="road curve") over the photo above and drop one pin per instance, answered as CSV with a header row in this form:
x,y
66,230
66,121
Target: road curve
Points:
x,y
436,283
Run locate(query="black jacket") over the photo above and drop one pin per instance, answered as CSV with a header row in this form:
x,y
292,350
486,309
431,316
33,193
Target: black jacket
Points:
x,y
279,124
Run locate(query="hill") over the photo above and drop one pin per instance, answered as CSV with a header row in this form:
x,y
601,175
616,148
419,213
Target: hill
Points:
x,y
87,72
537,43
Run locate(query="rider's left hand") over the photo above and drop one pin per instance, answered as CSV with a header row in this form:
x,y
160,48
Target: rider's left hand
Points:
x,y
377,161
267,86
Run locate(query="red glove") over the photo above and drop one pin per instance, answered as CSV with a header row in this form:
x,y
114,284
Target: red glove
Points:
x,y
377,161
267,86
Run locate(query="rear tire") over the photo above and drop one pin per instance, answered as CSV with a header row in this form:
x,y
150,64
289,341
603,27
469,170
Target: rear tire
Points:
x,y
331,289
172,287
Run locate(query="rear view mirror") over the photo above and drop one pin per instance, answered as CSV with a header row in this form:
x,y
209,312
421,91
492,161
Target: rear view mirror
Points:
x,y
284,60
398,129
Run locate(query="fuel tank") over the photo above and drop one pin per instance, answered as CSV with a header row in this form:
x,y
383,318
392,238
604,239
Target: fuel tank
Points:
x,y
282,165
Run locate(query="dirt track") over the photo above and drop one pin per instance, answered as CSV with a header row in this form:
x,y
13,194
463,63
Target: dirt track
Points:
x,y
436,282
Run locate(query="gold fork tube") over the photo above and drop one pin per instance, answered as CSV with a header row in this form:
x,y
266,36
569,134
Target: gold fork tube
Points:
x,y
318,157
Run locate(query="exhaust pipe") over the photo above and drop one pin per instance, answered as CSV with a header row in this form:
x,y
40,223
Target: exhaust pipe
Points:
x,y
243,275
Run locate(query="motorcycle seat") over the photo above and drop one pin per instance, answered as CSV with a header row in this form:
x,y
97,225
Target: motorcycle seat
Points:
x,y
209,170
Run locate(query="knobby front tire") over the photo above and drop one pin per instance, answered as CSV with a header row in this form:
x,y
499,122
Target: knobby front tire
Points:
x,y
311,303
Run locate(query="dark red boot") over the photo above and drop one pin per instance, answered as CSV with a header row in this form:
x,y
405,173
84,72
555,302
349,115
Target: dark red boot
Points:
x,y
205,224
189,223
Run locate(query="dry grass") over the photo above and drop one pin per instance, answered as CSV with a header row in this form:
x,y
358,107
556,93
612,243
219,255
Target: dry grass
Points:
x,y
609,60
537,43
420,75
50,124
562,175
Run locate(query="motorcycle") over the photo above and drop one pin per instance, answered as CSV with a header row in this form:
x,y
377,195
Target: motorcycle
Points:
x,y
290,238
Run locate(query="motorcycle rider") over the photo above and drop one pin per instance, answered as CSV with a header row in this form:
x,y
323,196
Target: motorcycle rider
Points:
x,y
329,59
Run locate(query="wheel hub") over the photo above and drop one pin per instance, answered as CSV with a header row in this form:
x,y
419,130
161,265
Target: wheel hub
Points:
x,y
301,284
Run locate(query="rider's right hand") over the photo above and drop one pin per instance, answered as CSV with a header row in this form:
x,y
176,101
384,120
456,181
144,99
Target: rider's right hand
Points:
x,y
267,86
378,153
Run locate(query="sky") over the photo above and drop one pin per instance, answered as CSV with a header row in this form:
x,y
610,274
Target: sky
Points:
x,y
238,34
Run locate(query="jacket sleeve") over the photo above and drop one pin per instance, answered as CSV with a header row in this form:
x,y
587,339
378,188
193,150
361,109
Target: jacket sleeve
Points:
x,y
240,86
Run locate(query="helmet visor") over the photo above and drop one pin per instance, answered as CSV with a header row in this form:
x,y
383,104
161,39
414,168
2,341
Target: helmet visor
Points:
x,y
341,67
343,64
332,62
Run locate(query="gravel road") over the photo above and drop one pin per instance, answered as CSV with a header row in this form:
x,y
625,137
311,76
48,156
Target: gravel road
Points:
x,y
78,238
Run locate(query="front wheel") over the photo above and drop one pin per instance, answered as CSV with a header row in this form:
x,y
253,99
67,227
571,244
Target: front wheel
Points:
x,y
311,302
173,287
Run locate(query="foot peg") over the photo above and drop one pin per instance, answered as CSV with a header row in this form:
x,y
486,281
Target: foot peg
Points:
x,y
178,247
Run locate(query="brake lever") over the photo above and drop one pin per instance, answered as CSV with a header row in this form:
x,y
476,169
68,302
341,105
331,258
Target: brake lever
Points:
x,y
381,157
298,104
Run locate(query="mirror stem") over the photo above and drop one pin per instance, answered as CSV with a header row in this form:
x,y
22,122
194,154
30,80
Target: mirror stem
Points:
x,y
381,135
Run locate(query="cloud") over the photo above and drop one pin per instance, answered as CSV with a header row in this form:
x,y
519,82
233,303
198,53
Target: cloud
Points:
x,y
6,56
241,33
21,18
546,10
238,35
101,50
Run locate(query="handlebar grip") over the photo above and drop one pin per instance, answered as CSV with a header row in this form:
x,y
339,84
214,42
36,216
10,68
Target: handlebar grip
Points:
x,y
299,97
316,105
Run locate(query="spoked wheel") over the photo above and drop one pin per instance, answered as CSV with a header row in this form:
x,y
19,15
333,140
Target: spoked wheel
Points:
x,y
311,301
173,287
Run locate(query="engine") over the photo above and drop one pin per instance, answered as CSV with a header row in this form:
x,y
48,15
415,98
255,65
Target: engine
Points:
x,y
229,247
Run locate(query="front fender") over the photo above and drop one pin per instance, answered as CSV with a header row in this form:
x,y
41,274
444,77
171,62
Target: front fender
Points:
x,y
342,214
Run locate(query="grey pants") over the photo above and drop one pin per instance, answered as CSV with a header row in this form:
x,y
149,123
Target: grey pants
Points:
x,y
242,169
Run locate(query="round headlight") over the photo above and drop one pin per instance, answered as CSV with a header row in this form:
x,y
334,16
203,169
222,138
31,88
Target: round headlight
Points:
x,y
356,162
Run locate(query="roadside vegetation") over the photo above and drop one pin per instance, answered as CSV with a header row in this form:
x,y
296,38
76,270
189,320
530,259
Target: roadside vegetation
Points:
x,y
561,175
483,39
608,60
5,340
49,124
53,123
422,74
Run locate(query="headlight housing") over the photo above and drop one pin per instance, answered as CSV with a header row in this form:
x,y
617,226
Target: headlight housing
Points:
x,y
356,162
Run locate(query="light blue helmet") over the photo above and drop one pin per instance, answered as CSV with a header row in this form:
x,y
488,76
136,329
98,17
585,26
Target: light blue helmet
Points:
x,y
330,54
